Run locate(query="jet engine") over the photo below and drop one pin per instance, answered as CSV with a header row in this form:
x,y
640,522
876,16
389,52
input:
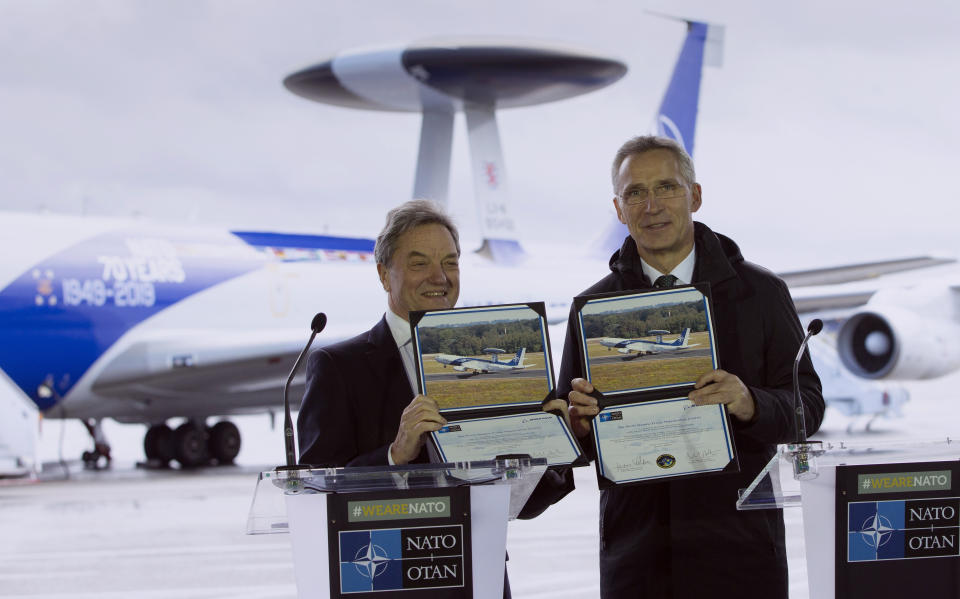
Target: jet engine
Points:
x,y
623,350
459,368
895,342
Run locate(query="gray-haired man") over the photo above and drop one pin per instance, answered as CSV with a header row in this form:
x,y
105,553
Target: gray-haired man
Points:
x,y
360,407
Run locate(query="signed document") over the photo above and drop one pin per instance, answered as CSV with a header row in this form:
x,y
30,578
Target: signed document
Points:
x,y
539,434
658,439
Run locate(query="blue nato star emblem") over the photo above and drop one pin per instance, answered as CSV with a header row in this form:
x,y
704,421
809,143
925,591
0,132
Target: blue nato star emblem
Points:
x,y
876,531
371,561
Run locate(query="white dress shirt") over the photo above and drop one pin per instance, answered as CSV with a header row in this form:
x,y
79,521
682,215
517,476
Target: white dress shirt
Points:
x,y
683,271
400,329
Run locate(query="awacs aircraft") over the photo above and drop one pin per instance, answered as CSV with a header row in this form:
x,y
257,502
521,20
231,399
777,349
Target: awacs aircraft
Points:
x,y
104,318
481,366
644,346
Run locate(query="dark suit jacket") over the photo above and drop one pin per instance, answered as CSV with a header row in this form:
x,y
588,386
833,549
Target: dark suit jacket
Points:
x,y
356,392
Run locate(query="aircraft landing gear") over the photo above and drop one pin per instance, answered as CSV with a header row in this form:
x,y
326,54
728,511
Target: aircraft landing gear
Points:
x,y
192,444
158,446
99,458
224,441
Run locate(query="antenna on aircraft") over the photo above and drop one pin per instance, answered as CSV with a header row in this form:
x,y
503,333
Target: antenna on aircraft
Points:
x,y
494,352
438,78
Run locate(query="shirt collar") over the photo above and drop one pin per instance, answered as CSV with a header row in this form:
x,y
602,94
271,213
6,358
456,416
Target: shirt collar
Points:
x,y
399,328
683,271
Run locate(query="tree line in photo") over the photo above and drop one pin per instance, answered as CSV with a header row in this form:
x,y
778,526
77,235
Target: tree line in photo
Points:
x,y
471,340
635,324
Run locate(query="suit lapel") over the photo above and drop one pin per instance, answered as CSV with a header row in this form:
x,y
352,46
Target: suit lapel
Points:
x,y
383,360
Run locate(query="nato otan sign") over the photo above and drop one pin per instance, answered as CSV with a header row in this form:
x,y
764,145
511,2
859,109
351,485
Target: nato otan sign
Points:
x,y
401,559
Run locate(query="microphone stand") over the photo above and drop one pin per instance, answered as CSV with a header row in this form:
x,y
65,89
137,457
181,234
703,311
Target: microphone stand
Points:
x,y
293,484
804,452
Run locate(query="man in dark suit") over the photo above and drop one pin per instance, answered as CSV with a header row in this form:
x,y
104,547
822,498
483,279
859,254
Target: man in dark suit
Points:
x,y
360,407
684,538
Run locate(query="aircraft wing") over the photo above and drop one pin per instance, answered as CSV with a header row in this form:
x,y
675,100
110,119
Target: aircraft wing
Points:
x,y
201,373
843,288
860,272
830,301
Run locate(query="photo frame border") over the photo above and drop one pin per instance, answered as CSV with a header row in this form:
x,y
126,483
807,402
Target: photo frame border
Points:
x,y
537,307
631,395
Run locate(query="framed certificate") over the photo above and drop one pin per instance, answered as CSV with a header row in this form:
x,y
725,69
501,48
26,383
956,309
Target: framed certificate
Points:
x,y
643,353
490,371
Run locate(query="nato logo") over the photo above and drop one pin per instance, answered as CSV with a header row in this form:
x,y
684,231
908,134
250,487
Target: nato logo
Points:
x,y
902,529
875,531
370,561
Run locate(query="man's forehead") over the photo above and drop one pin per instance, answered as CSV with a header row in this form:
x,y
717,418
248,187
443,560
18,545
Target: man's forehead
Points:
x,y
425,239
657,162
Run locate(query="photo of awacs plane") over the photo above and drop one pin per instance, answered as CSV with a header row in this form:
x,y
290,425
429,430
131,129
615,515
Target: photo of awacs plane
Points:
x,y
475,366
484,356
622,337
643,346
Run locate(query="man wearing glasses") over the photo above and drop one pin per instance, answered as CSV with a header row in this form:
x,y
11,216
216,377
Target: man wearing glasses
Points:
x,y
685,538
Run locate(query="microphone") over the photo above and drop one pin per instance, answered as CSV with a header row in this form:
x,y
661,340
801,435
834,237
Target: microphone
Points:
x,y
801,458
316,325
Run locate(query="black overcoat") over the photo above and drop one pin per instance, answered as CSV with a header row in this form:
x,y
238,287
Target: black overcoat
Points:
x,y
685,539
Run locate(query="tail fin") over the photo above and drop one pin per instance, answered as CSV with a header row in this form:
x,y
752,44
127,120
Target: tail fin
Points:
x,y
518,359
500,242
677,116
683,339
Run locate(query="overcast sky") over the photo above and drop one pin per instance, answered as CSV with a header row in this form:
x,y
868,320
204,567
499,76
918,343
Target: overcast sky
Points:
x,y
834,121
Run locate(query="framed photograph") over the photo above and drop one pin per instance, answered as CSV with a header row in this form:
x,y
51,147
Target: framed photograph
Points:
x,y
489,357
489,369
646,341
643,353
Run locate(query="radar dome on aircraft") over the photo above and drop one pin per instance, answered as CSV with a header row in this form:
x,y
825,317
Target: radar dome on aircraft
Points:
x,y
439,78
447,73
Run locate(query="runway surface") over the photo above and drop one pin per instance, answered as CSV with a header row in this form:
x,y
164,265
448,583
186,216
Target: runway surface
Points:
x,y
526,373
617,357
128,533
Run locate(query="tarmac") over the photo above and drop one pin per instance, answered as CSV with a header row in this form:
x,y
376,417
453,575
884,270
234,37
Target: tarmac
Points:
x,y
127,532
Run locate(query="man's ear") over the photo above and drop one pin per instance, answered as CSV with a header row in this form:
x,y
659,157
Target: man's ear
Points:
x,y
383,271
616,205
697,198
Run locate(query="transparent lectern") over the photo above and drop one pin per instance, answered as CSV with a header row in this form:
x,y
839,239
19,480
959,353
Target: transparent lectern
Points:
x,y
395,507
805,475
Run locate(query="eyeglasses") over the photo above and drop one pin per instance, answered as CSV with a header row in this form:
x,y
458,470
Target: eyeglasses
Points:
x,y
639,196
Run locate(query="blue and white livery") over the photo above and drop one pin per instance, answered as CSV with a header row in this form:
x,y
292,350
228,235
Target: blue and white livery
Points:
x,y
482,366
649,346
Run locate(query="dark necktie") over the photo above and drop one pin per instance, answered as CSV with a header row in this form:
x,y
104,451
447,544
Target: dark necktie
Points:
x,y
664,281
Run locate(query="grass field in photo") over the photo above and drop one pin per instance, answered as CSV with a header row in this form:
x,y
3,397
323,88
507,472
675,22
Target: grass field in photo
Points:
x,y
646,371
481,391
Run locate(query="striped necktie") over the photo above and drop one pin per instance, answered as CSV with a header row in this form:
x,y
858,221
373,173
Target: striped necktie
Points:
x,y
664,281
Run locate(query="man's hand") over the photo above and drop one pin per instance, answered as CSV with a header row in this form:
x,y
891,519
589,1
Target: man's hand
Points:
x,y
721,387
559,405
421,416
582,407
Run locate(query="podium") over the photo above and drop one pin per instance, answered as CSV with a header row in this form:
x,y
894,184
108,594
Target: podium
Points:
x,y
421,530
896,503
